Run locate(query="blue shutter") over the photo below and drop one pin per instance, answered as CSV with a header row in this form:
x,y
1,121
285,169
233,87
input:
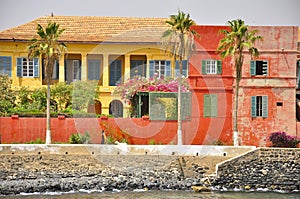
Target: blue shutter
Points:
x,y
19,67
253,67
203,67
5,64
94,69
253,106
79,70
57,69
168,68
151,68
264,106
36,67
115,72
184,68
219,67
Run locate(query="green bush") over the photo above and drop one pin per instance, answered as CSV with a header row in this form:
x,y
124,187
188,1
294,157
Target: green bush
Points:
x,y
7,95
37,141
77,138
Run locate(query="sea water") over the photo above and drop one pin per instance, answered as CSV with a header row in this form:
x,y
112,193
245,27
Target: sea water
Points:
x,y
84,194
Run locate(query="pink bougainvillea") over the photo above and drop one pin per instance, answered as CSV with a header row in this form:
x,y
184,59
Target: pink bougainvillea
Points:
x,y
154,84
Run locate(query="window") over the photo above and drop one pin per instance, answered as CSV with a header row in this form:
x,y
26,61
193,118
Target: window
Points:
x,y
55,74
211,67
161,67
259,106
72,70
5,65
115,72
94,69
116,108
258,67
27,67
210,105
184,68
137,68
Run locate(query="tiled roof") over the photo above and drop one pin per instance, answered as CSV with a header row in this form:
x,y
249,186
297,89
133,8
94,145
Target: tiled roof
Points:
x,y
94,29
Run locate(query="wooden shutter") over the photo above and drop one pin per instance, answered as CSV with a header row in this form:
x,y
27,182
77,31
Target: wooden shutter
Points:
x,y
36,67
93,69
115,72
151,68
184,68
219,67
214,105
203,67
253,67
139,66
19,67
168,69
5,62
207,106
56,67
253,106
265,106
265,68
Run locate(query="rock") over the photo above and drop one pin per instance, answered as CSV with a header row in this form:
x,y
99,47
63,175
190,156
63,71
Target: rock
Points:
x,y
201,189
247,187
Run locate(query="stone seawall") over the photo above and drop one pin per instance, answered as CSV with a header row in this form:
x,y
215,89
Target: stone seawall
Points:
x,y
261,169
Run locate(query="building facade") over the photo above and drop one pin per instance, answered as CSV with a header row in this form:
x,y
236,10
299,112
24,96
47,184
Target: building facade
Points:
x,y
111,50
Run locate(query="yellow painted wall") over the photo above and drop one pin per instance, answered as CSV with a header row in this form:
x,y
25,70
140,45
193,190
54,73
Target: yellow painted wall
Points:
x,y
105,52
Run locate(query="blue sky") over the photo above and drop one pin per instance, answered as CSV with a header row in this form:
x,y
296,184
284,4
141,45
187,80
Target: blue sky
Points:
x,y
210,12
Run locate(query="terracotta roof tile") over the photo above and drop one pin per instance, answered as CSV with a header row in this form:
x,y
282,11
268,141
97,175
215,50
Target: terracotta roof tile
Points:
x,y
94,29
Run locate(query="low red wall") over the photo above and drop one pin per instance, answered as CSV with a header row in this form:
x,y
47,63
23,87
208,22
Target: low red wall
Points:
x,y
134,130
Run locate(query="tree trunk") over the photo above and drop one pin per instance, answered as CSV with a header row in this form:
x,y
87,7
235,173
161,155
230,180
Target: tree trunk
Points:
x,y
179,122
239,63
48,130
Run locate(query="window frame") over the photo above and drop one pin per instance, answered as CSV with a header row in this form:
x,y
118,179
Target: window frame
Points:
x,y
259,106
217,64
253,67
153,69
35,67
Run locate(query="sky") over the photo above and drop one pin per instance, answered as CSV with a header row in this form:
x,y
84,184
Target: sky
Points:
x,y
204,12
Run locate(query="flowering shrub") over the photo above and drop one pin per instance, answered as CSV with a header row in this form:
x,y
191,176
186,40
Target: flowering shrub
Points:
x,y
280,139
140,84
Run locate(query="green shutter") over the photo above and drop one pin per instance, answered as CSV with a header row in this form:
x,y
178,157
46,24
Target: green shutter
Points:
x,y
219,67
264,106
214,105
203,67
253,67
253,106
207,106
151,68
19,67
36,67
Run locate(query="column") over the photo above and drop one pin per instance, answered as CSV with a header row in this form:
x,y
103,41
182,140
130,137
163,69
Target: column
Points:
x,y
105,70
62,68
127,68
83,66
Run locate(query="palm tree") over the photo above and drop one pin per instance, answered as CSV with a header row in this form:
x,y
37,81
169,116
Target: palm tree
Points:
x,y
50,48
238,39
178,41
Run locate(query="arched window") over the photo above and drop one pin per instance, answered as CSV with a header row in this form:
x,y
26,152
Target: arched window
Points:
x,y
116,108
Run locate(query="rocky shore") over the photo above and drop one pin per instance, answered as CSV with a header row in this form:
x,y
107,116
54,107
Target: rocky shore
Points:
x,y
64,173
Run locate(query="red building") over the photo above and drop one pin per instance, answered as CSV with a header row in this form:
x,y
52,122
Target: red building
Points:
x,y
267,89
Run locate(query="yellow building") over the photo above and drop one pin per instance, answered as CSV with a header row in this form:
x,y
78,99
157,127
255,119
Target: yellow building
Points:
x,y
107,49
